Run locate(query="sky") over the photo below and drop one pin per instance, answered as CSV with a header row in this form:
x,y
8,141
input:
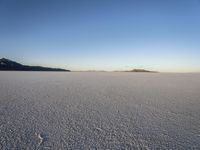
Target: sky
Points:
x,y
160,35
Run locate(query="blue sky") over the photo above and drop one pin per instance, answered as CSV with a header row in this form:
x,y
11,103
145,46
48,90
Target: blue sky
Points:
x,y
162,35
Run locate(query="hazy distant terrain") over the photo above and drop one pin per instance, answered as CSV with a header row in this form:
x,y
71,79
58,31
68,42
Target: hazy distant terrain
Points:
x,y
61,110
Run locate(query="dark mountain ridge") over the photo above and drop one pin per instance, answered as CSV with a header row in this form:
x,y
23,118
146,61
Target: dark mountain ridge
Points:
x,y
9,65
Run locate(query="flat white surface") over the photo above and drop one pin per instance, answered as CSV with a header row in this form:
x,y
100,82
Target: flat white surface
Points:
x,y
51,110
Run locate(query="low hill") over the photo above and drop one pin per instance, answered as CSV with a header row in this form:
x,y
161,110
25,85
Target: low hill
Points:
x,y
140,70
9,65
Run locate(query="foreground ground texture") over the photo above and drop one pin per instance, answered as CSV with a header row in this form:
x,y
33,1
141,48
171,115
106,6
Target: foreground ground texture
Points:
x,y
40,110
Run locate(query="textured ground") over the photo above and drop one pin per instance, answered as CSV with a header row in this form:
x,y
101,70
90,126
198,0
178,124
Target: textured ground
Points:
x,y
53,110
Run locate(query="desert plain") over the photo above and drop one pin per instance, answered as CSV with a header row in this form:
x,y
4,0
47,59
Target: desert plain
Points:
x,y
99,110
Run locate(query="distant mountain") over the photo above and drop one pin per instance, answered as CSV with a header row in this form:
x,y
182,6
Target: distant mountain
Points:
x,y
141,70
6,64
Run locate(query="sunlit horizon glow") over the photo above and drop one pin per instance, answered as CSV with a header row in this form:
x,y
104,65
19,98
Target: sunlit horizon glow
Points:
x,y
105,35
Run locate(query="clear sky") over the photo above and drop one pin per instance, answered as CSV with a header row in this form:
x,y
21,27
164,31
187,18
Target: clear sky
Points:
x,y
162,35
